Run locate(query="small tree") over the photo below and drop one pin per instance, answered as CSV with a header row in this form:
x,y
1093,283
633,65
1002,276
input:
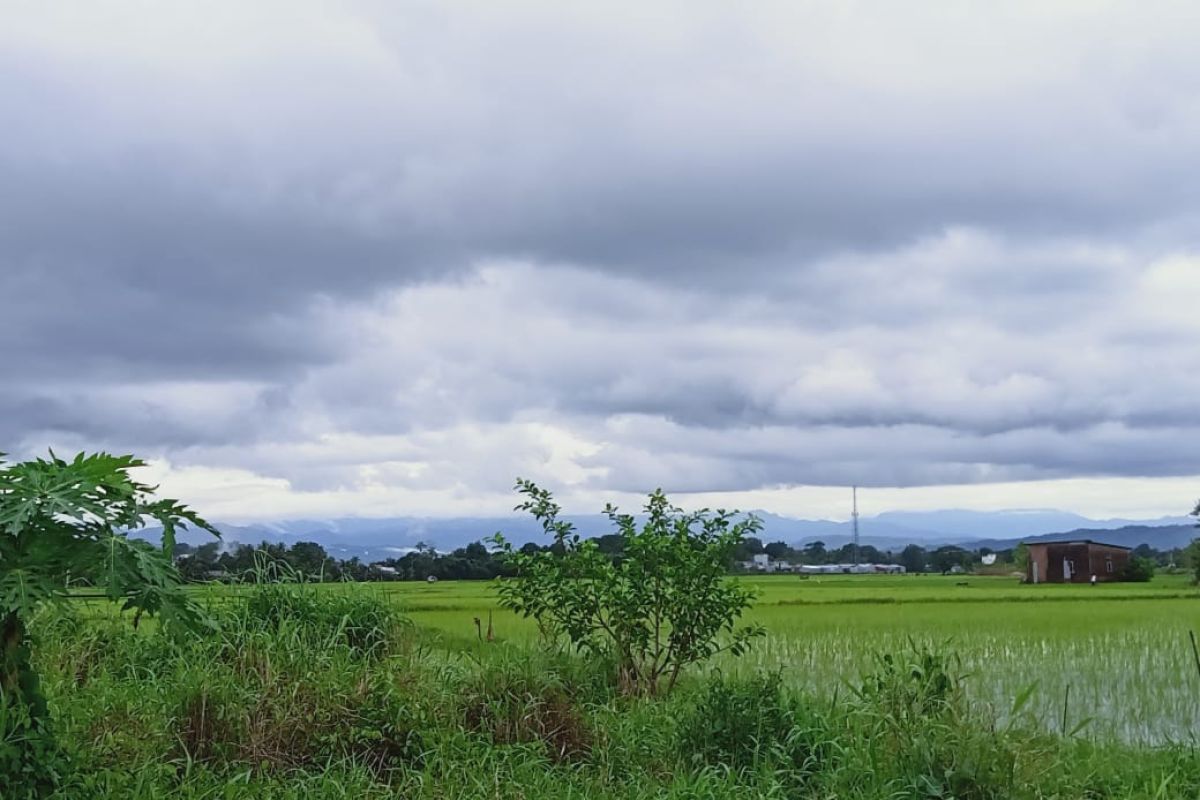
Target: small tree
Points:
x,y
1138,570
1192,553
665,605
1191,559
946,558
912,558
1021,556
69,519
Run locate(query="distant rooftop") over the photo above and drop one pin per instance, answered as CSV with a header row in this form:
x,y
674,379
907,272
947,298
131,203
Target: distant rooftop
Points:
x,y
1076,541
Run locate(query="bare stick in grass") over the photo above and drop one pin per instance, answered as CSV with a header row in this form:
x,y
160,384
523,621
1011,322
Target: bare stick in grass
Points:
x,y
1066,704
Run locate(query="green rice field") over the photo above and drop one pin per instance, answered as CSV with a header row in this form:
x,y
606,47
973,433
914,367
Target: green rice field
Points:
x,y
1115,659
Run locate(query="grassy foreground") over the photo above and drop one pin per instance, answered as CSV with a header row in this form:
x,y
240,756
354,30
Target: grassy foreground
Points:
x,y
330,691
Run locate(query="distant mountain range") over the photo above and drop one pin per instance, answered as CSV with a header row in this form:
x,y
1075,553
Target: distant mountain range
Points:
x,y
376,539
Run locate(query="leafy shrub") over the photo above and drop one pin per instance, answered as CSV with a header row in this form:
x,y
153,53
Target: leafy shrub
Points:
x,y
31,762
1138,570
60,518
665,604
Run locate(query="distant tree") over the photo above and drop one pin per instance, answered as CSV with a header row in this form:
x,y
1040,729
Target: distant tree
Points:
x,y
354,570
1020,556
870,554
912,558
1191,559
1191,555
747,549
611,544
311,560
778,551
196,565
814,553
1144,550
945,559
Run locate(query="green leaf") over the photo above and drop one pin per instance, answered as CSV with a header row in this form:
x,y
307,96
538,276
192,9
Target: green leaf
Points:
x,y
1023,698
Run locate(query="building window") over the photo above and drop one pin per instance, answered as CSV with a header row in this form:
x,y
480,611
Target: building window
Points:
x,y
1108,564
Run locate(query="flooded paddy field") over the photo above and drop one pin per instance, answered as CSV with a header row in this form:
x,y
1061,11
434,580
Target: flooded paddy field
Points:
x,y
1112,662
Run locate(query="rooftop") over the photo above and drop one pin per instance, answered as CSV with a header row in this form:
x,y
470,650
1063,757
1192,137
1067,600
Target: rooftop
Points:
x,y
1078,541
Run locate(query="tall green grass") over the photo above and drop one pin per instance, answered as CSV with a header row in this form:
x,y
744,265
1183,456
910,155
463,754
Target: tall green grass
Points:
x,y
333,691
1122,649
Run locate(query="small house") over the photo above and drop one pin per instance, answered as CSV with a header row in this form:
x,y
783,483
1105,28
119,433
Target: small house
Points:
x,y
1075,561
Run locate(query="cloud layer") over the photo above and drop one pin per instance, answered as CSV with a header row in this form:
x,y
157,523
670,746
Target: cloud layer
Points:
x,y
410,252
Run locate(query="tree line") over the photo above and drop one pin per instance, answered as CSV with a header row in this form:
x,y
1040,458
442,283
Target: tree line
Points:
x,y
476,561
914,558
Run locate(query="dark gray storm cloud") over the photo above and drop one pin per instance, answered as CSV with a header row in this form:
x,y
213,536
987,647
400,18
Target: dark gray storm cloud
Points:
x,y
713,249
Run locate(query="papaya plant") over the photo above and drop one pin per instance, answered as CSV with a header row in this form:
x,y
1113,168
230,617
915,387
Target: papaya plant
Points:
x,y
64,520
665,604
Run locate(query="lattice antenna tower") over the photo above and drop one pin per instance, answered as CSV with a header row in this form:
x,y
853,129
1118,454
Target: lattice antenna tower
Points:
x,y
854,517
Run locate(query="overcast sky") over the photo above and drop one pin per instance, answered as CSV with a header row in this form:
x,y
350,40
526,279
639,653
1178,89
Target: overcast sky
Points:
x,y
382,258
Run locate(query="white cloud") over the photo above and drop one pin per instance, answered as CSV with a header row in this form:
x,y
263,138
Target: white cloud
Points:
x,y
377,258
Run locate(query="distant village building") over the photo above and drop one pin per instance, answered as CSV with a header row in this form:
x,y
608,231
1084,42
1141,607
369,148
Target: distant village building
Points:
x,y
1075,561
763,563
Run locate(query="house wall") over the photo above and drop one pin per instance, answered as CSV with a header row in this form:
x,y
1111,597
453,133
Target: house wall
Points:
x,y
1037,556
1076,555
1085,560
1107,563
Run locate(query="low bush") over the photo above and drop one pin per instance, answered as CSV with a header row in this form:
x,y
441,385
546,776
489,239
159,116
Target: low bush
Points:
x,y
665,605
1138,570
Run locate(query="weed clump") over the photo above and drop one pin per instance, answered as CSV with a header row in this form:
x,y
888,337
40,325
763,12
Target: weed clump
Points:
x,y
738,723
315,617
912,714
515,702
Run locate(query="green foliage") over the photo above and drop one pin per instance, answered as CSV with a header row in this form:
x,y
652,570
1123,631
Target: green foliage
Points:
x,y
1191,559
258,709
914,685
62,520
31,763
70,519
913,709
743,724
1138,570
913,559
520,698
944,559
664,605
1021,557
313,618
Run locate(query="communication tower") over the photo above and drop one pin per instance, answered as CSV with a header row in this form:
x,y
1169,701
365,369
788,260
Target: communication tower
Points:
x,y
854,517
